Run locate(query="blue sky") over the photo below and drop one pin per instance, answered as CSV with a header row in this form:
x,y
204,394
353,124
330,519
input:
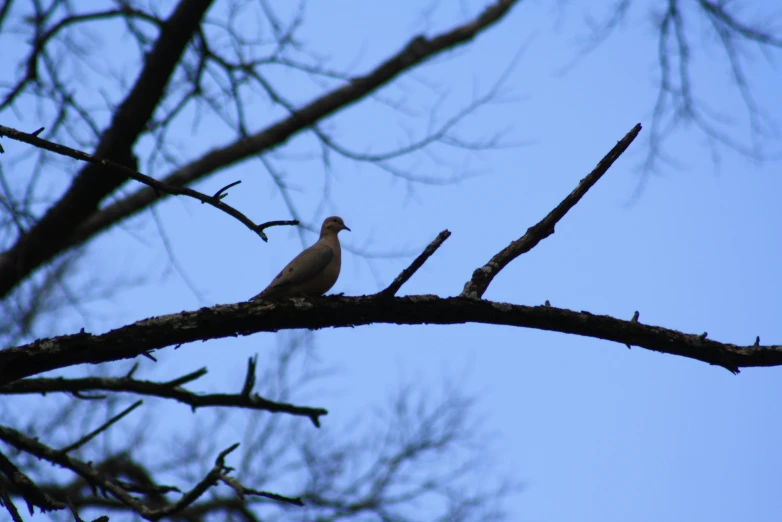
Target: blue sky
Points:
x,y
594,431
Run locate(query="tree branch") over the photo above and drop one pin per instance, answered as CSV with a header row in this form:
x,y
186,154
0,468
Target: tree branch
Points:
x,y
31,493
408,272
159,186
483,276
221,321
98,479
87,472
103,427
165,390
241,491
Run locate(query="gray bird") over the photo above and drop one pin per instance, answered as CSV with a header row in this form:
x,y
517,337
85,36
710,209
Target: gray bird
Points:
x,y
313,272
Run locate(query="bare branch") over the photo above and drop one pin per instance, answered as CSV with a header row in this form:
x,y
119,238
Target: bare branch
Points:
x,y
6,501
418,50
31,493
87,472
106,483
100,429
483,276
108,165
166,390
408,272
248,318
241,491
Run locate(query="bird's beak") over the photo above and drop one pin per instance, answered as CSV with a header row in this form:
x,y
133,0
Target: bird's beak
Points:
x,y
345,227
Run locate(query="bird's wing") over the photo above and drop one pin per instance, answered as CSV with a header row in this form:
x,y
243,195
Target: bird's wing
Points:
x,y
304,267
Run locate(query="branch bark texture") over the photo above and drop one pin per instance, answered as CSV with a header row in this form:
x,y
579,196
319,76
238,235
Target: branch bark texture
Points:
x,y
339,312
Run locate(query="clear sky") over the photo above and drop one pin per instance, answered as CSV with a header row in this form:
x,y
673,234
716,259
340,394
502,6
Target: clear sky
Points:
x,y
594,431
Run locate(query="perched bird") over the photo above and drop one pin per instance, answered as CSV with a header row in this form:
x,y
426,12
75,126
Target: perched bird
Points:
x,y
313,272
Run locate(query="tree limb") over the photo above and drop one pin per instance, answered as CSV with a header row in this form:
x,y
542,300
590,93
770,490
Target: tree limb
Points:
x,y
247,318
112,166
222,321
482,277
31,493
417,263
165,390
103,427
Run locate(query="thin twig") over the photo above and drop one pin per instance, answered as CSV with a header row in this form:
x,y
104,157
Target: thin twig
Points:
x,y
220,194
482,277
408,272
159,186
103,427
241,491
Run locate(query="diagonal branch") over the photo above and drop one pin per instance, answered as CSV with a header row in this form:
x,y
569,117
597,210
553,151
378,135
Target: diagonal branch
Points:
x,y
408,272
482,277
159,186
29,445
100,429
5,500
98,479
31,493
248,318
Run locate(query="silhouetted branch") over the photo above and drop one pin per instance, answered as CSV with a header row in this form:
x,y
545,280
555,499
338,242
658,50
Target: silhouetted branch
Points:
x,y
103,427
408,272
31,493
99,479
483,276
248,318
165,390
241,491
215,201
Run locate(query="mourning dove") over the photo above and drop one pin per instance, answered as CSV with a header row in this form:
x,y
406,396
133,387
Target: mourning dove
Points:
x,y
313,272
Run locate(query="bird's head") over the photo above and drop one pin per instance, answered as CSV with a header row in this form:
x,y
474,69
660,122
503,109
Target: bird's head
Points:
x,y
332,225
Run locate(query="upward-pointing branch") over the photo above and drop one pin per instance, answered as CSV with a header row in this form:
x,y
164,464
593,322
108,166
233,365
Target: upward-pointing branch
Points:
x,y
482,277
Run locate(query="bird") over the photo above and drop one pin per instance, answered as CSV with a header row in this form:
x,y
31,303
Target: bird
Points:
x,y
314,271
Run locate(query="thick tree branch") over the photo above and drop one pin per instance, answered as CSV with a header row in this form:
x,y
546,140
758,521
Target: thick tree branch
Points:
x,y
159,186
482,277
338,312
